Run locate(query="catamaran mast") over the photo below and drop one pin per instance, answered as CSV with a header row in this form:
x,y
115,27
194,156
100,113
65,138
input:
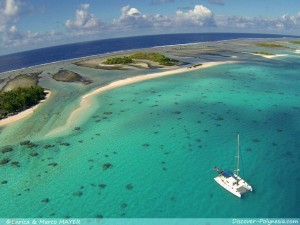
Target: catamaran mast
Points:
x,y
237,155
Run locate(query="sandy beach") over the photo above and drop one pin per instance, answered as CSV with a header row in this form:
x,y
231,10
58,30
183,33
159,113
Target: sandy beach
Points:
x,y
26,113
269,56
85,102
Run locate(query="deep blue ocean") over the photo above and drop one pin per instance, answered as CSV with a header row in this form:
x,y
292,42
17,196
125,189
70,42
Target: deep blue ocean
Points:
x,y
76,50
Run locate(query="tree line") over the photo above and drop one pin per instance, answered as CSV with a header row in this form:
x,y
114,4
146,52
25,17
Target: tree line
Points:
x,y
19,99
152,56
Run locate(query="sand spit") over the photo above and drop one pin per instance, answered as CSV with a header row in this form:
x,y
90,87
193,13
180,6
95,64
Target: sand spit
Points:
x,y
26,113
269,56
85,102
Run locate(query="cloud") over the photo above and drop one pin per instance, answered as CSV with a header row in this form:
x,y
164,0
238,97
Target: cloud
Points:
x,y
288,21
216,2
84,19
242,22
15,38
11,8
202,17
131,21
284,23
199,16
132,18
162,22
9,13
9,16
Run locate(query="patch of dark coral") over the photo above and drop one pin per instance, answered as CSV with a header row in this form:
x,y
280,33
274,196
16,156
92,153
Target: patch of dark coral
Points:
x,y
7,149
46,200
107,166
69,76
4,161
15,164
129,186
78,193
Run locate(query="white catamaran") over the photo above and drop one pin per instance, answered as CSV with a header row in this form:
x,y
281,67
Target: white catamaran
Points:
x,y
231,180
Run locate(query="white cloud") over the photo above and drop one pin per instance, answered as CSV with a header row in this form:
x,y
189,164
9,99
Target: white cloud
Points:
x,y
161,21
13,29
283,23
11,8
11,37
199,16
132,18
9,15
288,21
84,19
15,38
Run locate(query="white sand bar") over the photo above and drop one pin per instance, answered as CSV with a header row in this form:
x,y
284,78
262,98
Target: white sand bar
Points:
x,y
23,114
85,102
269,56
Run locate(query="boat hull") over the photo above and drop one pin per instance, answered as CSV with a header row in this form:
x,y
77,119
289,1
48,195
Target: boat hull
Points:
x,y
228,188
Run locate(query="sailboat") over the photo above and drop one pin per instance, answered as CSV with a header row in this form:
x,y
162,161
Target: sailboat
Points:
x,y
231,181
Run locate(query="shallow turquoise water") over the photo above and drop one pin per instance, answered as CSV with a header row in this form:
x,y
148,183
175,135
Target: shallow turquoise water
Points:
x,y
162,138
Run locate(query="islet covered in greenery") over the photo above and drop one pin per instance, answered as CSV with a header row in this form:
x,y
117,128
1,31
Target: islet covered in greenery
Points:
x,y
295,42
118,60
152,56
271,45
19,99
264,53
155,57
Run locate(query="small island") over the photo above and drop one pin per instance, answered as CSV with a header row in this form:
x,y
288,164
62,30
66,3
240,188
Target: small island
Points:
x,y
19,99
263,53
140,60
118,60
295,42
271,45
155,57
20,93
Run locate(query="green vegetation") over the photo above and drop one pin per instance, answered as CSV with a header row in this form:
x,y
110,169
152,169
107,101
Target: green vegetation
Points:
x,y
295,42
155,57
271,45
118,60
264,53
19,99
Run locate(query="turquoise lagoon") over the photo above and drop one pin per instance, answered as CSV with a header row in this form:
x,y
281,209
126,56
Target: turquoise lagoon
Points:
x,y
147,150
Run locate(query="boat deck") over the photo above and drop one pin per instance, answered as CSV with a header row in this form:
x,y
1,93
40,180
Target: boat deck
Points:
x,y
231,185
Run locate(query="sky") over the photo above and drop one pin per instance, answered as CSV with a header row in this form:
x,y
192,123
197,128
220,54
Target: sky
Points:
x,y
31,24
